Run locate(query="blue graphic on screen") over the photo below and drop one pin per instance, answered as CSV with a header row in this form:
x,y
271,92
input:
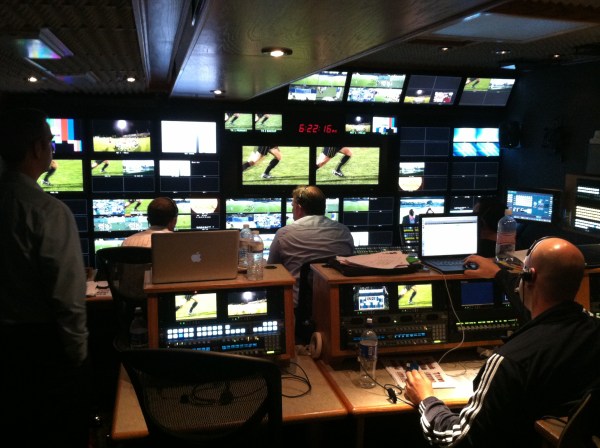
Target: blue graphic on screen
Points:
x,y
476,142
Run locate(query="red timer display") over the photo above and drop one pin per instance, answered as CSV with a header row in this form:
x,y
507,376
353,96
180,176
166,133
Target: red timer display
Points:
x,y
317,128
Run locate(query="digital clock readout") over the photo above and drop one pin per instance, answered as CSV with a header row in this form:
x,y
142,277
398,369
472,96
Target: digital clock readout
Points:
x,y
317,128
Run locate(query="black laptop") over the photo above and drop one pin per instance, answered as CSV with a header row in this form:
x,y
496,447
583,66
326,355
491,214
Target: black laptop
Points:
x,y
446,240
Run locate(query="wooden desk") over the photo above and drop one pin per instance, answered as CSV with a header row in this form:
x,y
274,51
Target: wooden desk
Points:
x,y
279,276
320,404
550,429
362,403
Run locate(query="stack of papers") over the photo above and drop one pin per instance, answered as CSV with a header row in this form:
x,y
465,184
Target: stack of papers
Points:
x,y
381,260
397,367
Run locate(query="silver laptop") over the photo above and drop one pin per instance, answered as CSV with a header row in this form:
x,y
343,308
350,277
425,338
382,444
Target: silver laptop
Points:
x,y
194,256
446,240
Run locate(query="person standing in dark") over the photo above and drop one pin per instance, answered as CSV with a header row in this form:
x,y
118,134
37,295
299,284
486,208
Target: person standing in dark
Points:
x,y
45,373
489,210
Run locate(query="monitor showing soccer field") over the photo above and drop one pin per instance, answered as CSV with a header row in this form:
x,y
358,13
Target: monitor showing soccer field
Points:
x,y
63,176
122,176
486,91
259,213
432,90
324,86
345,165
268,122
368,212
414,296
274,165
375,87
198,213
120,215
238,122
121,136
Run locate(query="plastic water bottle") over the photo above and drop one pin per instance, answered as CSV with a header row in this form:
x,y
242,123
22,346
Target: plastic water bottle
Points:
x,y
506,237
255,257
245,237
367,355
138,330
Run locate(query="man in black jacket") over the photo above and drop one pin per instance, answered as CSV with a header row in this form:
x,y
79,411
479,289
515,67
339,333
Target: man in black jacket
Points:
x,y
551,360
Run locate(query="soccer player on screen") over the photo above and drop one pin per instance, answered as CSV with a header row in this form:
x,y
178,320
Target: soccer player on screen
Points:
x,y
51,170
261,118
258,154
405,291
231,118
329,152
104,164
129,202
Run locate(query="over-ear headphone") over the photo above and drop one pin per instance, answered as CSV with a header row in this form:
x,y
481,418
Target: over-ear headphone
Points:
x,y
527,273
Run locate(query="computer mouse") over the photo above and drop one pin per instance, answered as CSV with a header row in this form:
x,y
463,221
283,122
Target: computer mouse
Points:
x,y
471,265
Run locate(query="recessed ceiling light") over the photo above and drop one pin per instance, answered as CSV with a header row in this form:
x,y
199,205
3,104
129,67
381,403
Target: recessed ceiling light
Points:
x,y
32,79
276,52
445,49
218,92
130,79
556,56
502,52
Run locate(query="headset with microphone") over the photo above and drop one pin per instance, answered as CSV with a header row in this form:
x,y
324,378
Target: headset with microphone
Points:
x,y
528,272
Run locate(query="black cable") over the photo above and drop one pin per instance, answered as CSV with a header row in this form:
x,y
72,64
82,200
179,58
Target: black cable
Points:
x,y
393,396
287,375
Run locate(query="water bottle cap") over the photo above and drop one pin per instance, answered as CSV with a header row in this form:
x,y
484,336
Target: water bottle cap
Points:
x,y
255,232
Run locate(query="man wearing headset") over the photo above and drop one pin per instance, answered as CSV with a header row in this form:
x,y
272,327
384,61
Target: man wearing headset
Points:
x,y
550,361
162,217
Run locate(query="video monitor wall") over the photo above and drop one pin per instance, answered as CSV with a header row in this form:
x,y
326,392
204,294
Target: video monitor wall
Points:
x,y
324,86
432,90
122,136
376,87
486,91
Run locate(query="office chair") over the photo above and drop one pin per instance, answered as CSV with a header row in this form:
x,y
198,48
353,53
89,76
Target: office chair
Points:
x,y
583,427
193,398
124,268
305,325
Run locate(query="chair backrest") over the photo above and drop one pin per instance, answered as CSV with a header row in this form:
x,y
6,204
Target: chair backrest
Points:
x,y
193,398
124,269
583,428
304,326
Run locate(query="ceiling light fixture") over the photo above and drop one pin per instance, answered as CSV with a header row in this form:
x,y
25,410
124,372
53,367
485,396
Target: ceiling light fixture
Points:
x,y
217,92
445,49
32,79
502,52
276,52
130,79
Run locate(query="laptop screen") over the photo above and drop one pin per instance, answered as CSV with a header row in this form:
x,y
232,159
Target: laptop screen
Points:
x,y
448,234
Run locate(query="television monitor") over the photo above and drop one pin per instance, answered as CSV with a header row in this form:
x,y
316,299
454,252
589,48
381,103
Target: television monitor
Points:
x,y
486,91
324,86
200,306
115,215
370,298
122,176
413,206
259,213
189,176
332,209
474,175
375,87
247,303
268,123
102,243
63,176
344,165
476,294
534,205
275,165
424,141
238,122
423,176
121,136
437,90
586,212
68,135
383,238
384,125
198,214
358,124
79,209
463,203
476,142
413,295
188,137
368,212
267,238
409,236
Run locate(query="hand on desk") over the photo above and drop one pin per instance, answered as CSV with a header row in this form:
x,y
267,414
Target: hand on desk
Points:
x,y
487,267
418,386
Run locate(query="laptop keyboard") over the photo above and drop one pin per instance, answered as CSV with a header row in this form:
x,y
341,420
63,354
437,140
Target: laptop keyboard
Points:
x,y
367,250
446,261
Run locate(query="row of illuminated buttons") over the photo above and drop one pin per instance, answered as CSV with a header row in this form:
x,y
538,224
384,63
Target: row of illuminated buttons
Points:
x,y
217,330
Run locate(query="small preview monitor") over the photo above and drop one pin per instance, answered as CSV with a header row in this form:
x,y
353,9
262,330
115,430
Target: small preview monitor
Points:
x,y
79,208
375,87
422,176
370,298
188,137
476,142
200,306
474,175
68,135
238,122
122,176
268,122
358,124
533,205
368,212
121,136
323,86
259,213
198,213
274,165
415,296
247,303
476,294
189,176
383,238
116,215
586,213
412,207
486,91
425,141
344,165
332,209
63,176
433,90
384,125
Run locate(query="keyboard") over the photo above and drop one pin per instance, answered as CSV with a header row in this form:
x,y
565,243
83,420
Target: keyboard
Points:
x,y
367,250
